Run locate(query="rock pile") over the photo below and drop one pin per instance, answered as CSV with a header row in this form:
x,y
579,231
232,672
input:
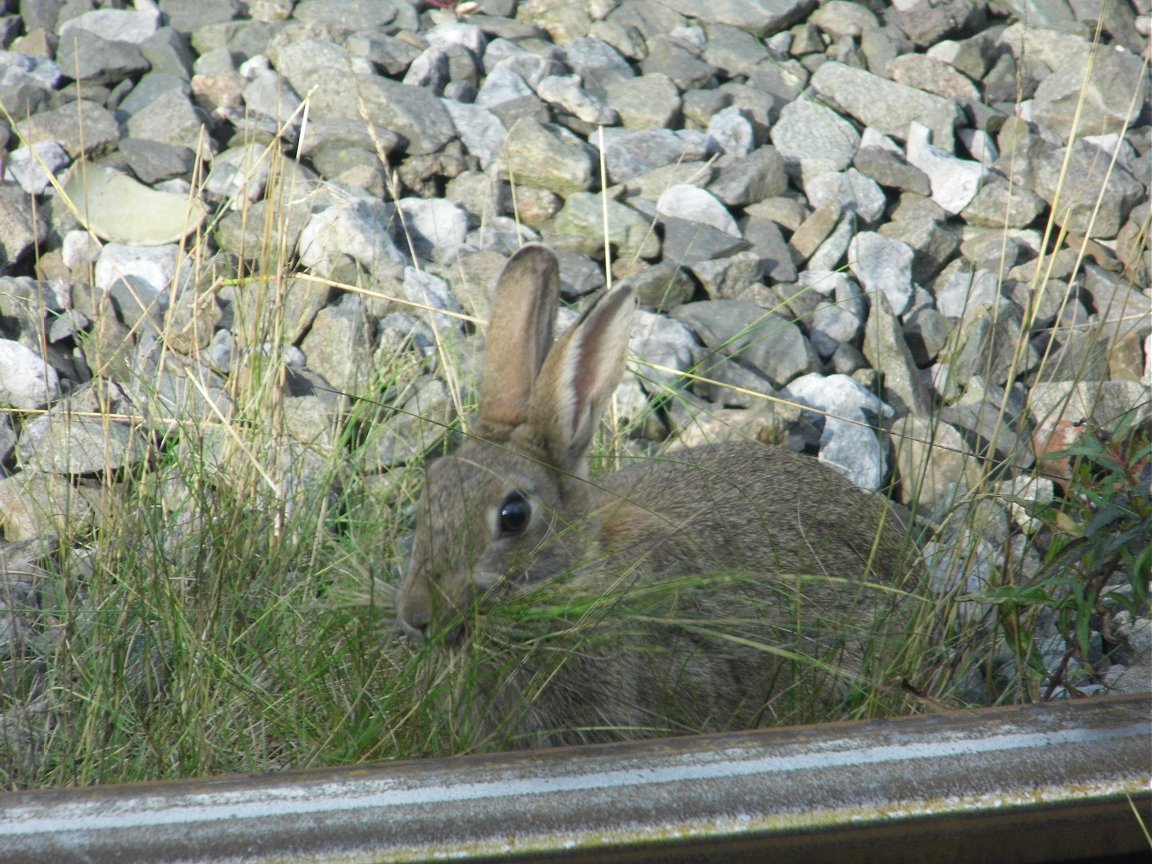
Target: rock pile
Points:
x,y
925,219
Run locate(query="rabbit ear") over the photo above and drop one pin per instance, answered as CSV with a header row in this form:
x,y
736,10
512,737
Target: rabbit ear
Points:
x,y
579,375
520,332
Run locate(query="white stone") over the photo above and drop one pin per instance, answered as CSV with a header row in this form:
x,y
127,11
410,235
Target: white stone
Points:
x,y
26,379
694,204
148,267
955,182
33,167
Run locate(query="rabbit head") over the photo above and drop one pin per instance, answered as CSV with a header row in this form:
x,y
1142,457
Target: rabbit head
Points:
x,y
511,507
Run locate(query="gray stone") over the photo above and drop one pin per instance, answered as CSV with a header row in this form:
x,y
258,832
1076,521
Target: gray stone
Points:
x,y
650,185
814,139
238,175
728,278
770,345
933,76
1091,192
336,88
700,106
984,343
883,265
429,70
1102,402
668,57
548,157
847,410
661,286
80,436
629,232
934,244
687,242
34,506
338,347
151,86
768,242
989,432
628,154
758,17
114,25
732,132
26,82
421,424
733,51
356,15
1107,94
891,170
884,104
506,94
925,332
137,278
20,228
480,130
1001,204
646,101
926,22
152,161
839,18
346,133
86,57
850,189
564,92
435,227
467,36
166,387
167,51
597,63
936,466
832,250
81,128
889,354
428,292
354,229
1120,308
667,343
171,118
271,96
392,54
751,178
830,325
579,275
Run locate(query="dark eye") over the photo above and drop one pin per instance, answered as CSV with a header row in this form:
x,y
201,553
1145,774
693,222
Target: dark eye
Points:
x,y
514,514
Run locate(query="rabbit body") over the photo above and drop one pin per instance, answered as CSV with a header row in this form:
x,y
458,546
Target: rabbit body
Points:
x,y
714,588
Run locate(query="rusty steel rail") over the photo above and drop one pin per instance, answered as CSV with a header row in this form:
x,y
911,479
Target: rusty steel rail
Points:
x,y
1057,782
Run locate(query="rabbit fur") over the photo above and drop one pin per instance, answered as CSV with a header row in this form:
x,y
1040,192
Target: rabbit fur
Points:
x,y
713,588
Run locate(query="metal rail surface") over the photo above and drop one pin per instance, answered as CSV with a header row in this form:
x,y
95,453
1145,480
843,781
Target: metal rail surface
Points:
x,y
1057,782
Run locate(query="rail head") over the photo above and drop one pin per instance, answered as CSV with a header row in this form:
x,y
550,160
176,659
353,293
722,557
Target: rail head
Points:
x,y
1055,782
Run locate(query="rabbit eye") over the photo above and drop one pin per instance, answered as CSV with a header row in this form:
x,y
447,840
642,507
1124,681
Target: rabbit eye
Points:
x,y
514,514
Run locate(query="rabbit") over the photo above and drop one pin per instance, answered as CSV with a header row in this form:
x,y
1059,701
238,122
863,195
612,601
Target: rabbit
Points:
x,y
711,588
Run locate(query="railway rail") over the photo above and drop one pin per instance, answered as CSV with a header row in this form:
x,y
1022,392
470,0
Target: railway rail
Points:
x,y
1066,781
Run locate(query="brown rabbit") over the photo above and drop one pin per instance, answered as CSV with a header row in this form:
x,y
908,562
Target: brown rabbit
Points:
x,y
708,589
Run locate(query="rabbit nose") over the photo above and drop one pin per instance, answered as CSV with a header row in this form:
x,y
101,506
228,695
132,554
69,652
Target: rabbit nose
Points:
x,y
416,634
414,623
414,612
